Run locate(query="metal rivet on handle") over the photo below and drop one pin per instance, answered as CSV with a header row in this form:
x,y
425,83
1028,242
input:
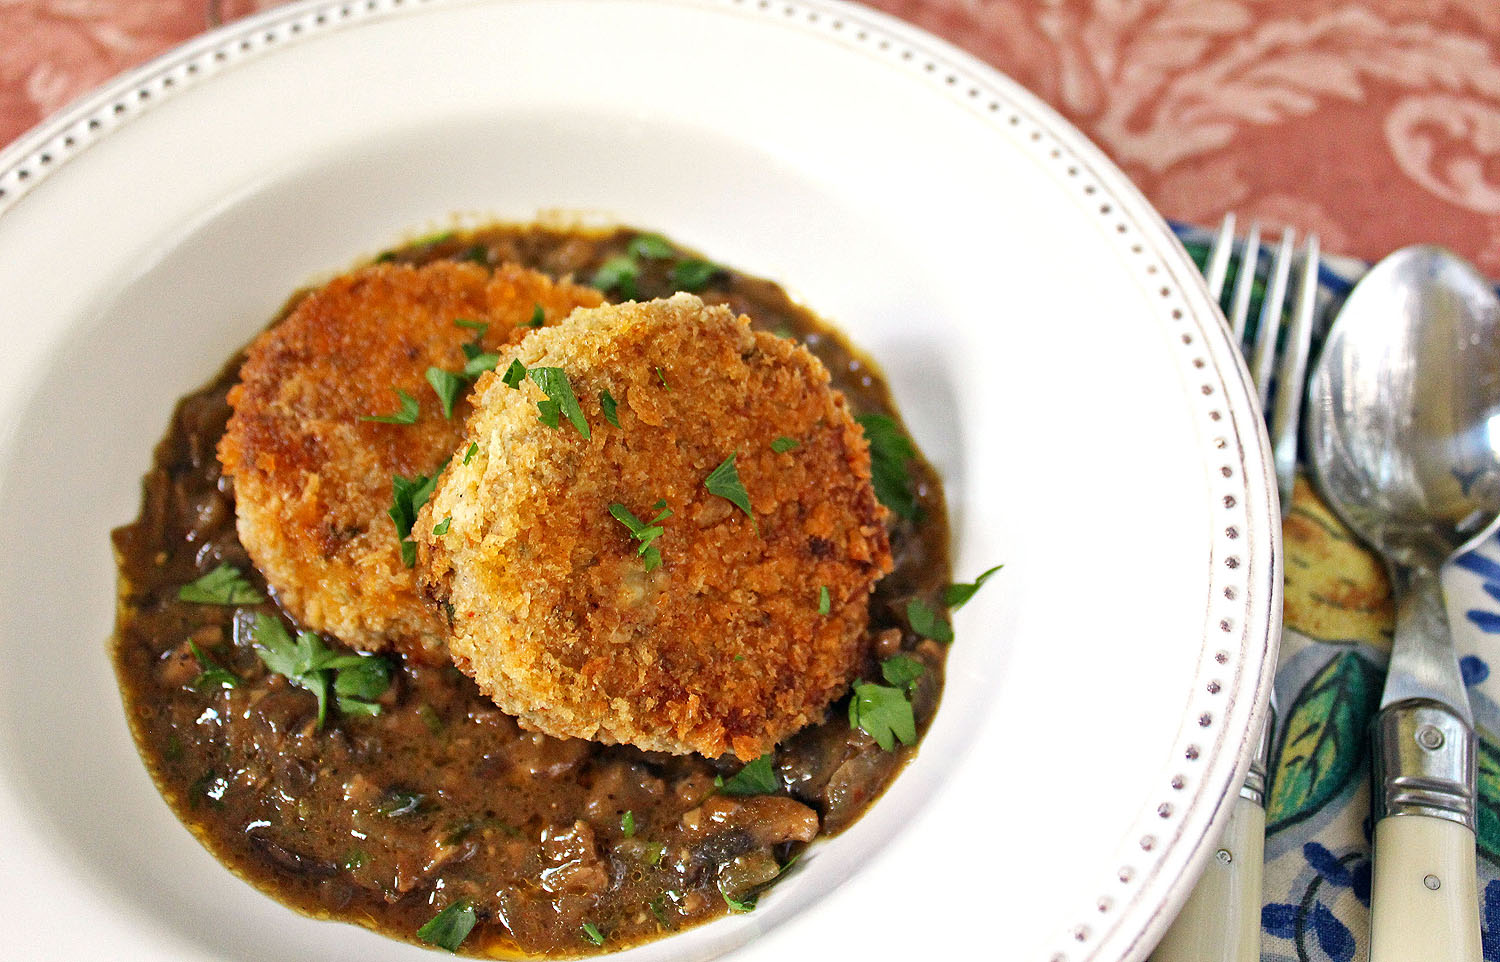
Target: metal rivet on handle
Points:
x,y
1224,856
1432,882
1430,738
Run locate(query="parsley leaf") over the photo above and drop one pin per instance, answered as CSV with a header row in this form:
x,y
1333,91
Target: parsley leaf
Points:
x,y
902,671
480,363
662,377
610,406
222,586
740,906
724,481
310,665
619,273
479,254
213,676
925,621
650,246
407,497
884,713
473,450
890,450
514,375
591,932
756,778
478,327
449,388
784,444
407,414
955,595
643,532
627,824
432,240
693,274
449,928
825,604
442,526
560,398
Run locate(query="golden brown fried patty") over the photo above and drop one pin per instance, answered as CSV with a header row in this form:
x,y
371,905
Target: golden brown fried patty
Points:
x,y
313,481
720,648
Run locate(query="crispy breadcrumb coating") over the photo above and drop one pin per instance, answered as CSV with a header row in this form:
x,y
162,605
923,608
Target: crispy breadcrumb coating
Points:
x,y
721,647
312,480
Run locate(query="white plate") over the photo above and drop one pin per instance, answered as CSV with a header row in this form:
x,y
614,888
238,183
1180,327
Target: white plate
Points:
x,y
1048,340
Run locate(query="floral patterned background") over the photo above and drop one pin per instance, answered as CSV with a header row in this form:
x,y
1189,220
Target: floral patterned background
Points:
x,y
1374,122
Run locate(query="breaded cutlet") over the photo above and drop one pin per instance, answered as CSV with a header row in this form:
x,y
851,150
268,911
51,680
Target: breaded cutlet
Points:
x,y
556,607
313,477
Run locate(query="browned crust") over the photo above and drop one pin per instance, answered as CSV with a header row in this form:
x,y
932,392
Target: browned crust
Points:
x,y
721,648
313,482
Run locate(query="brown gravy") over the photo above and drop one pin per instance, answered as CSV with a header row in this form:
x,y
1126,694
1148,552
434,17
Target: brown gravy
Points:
x,y
383,821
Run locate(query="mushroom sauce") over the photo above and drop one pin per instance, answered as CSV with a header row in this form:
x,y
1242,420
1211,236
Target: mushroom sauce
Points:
x,y
439,805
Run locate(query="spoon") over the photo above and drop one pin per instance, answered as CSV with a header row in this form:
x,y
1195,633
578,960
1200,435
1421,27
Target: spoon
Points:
x,y
1404,431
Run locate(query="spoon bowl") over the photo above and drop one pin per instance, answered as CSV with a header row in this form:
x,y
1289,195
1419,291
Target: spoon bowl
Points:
x,y
1404,416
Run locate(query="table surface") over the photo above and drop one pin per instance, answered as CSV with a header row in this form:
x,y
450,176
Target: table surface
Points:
x,y
1375,123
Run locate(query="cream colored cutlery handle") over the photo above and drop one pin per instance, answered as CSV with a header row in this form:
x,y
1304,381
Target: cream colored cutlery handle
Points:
x,y
1221,920
1424,899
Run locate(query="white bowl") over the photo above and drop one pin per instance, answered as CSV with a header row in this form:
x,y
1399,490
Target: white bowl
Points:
x,y
1049,343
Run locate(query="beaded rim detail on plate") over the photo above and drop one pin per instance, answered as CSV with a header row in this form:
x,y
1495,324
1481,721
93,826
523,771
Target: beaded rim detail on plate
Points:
x,y
1226,420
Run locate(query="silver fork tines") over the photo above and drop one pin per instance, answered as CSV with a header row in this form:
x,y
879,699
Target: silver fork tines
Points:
x,y
1289,375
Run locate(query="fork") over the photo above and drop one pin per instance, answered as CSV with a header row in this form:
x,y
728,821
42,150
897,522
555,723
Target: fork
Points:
x,y
1221,920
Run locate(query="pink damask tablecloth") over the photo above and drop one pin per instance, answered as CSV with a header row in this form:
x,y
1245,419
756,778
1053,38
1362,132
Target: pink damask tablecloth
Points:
x,y
1374,122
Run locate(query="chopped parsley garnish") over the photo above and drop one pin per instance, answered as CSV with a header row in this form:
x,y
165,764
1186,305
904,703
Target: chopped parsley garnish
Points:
x,y
925,621
955,595
784,444
610,407
213,676
480,363
310,665
431,240
619,273
592,933
356,858
884,713
407,414
662,377
407,497
627,824
890,450
442,526
222,586
473,450
479,254
902,671
756,778
747,904
644,532
659,911
560,399
538,316
514,375
449,928
650,246
399,802
824,603
724,481
478,327
449,387
693,274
